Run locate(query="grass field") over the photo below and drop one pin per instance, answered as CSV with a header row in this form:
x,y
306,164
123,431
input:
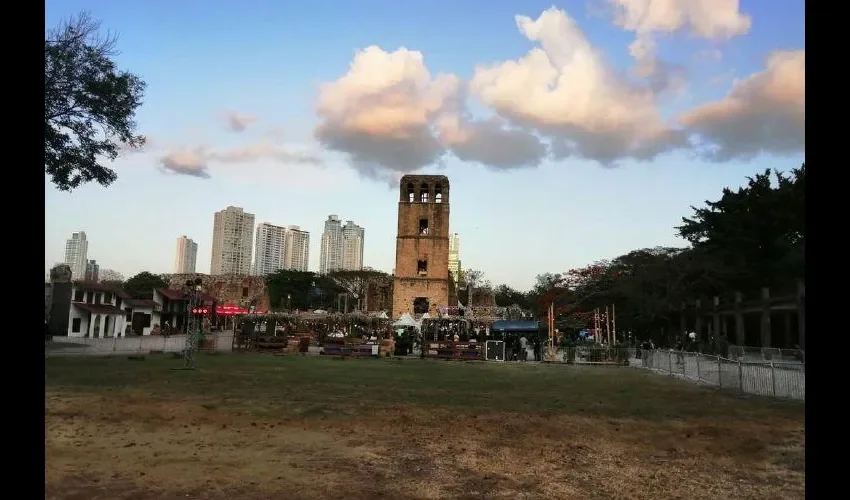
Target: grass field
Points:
x,y
261,427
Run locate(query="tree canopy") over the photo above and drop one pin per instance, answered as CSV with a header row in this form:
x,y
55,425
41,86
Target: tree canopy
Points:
x,y
749,238
89,105
142,285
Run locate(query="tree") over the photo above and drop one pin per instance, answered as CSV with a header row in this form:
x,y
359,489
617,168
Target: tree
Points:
x,y
142,285
89,105
356,283
507,296
758,231
302,290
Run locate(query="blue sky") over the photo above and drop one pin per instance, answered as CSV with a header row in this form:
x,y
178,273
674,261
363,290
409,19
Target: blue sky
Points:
x,y
517,217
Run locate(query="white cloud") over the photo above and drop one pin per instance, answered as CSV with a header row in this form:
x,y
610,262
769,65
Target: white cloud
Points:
x,y
195,161
388,113
713,19
565,90
191,162
710,19
237,122
764,112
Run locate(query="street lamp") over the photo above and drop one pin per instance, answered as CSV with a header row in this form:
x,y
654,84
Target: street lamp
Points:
x,y
288,302
193,326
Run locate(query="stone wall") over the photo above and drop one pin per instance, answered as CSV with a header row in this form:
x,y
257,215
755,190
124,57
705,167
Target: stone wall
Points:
x,y
239,289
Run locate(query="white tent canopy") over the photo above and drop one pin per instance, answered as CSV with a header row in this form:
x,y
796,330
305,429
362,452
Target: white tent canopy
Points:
x,y
406,320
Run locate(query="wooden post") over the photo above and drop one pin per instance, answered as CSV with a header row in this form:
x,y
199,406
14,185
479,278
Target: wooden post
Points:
x,y
740,337
801,314
765,317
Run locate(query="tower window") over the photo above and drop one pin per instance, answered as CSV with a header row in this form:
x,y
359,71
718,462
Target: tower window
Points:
x,y
423,227
422,267
423,193
438,193
410,193
421,305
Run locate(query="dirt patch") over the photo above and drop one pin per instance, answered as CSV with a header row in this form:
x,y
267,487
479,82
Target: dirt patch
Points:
x,y
134,447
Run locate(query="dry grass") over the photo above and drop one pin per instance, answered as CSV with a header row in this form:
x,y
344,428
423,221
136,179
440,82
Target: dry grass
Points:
x,y
259,427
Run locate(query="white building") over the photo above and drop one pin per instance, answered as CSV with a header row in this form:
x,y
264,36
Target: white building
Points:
x,y
454,257
352,246
186,256
331,254
269,249
233,237
97,311
76,254
296,255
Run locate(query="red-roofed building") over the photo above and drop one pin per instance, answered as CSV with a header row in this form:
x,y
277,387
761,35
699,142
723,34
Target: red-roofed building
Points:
x,y
175,305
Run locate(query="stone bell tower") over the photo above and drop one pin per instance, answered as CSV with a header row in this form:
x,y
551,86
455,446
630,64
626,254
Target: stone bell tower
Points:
x,y
421,281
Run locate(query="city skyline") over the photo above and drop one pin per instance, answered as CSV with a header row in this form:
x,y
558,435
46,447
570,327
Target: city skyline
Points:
x,y
593,130
342,246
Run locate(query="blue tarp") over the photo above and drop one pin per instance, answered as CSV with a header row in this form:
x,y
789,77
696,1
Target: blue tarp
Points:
x,y
515,326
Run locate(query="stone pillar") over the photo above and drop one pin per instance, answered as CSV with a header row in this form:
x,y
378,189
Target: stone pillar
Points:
x,y
740,337
698,320
801,313
765,317
787,343
716,317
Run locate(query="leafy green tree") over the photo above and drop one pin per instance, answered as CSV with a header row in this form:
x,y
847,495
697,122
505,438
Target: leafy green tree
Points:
x,y
507,296
142,285
89,105
302,290
757,231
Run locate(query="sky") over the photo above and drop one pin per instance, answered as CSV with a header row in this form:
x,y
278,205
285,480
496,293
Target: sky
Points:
x,y
570,132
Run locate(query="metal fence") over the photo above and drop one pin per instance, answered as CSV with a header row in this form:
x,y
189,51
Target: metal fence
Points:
x,y
82,346
779,379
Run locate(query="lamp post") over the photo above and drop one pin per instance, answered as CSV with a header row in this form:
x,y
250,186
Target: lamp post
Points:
x,y
193,326
288,302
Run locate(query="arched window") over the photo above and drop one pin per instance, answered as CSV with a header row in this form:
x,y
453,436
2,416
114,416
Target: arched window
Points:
x,y
423,193
410,192
438,193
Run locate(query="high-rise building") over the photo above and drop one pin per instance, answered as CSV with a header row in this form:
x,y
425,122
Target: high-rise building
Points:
x,y
296,254
268,249
92,270
331,254
352,246
186,256
233,236
454,257
76,254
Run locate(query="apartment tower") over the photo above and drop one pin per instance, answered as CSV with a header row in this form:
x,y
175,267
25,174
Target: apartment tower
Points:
x,y
186,256
330,258
296,255
269,249
76,254
233,236
454,257
352,246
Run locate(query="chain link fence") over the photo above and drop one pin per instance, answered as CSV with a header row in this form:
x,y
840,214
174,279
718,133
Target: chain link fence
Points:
x,y
779,379
84,346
